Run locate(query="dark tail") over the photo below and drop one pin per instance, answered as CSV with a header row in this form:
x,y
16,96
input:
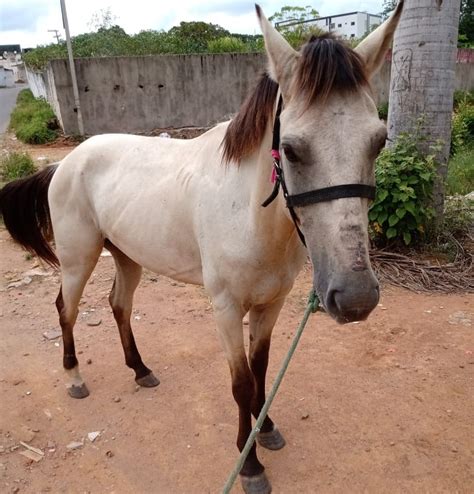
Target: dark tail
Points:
x,y
25,210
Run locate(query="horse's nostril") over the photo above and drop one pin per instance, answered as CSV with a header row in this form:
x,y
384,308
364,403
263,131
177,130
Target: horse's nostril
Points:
x,y
351,305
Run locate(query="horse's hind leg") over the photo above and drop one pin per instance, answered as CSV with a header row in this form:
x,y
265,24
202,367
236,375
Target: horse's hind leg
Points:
x,y
121,299
78,258
262,320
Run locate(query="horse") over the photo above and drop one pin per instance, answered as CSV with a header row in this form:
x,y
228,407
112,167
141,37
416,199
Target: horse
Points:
x,y
192,211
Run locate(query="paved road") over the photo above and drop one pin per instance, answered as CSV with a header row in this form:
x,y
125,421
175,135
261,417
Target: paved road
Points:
x,y
7,102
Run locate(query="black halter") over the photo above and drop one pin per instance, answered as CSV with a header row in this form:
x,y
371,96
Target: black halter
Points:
x,y
312,196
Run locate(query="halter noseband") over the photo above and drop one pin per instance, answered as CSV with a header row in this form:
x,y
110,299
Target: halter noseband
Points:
x,y
312,196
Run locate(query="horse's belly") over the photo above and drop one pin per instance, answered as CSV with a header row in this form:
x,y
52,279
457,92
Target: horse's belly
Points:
x,y
158,242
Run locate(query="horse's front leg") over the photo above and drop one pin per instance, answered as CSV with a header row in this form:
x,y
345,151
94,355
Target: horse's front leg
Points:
x,y
229,317
262,320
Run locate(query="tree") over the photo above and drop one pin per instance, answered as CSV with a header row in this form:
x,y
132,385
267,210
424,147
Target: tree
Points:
x,y
103,18
289,14
388,6
423,78
466,23
193,37
291,22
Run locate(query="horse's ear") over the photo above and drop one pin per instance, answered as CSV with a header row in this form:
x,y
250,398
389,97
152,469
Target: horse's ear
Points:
x,y
372,49
280,54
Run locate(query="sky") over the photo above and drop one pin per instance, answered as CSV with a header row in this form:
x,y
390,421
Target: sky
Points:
x,y
26,22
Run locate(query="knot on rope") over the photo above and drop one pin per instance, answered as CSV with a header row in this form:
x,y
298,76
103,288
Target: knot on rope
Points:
x,y
313,301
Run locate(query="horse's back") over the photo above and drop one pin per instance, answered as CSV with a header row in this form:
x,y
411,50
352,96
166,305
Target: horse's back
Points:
x,y
139,193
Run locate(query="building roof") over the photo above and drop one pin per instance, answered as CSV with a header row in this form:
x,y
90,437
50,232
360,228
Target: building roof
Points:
x,y
10,48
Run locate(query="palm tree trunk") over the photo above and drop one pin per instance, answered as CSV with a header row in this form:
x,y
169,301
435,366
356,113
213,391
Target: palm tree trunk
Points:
x,y
423,77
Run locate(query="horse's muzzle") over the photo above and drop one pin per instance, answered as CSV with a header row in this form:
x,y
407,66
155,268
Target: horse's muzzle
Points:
x,y
354,299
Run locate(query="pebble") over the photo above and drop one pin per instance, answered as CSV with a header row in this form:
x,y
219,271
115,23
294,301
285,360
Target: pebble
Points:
x,y
117,399
305,416
96,322
74,445
93,435
89,361
52,334
109,454
392,443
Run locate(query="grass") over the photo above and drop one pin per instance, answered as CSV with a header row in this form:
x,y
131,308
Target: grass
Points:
x,y
16,165
33,119
460,178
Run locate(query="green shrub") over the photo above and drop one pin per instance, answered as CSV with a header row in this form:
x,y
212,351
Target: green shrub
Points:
x,y
462,132
383,111
33,119
458,217
24,96
35,132
16,165
460,178
463,96
404,177
227,44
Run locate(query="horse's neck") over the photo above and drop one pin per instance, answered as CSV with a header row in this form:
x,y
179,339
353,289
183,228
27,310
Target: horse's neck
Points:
x,y
272,223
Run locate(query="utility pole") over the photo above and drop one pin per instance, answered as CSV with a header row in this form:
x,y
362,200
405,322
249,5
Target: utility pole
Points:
x,y
56,34
72,68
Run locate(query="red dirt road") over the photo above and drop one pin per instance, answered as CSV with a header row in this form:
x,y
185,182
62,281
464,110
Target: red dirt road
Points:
x,y
382,406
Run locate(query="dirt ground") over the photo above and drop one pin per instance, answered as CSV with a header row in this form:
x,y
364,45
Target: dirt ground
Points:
x,y
380,406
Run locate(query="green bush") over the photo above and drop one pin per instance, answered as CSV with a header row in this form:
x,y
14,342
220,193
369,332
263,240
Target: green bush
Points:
x,y
24,96
383,111
460,178
227,44
16,165
35,132
33,119
462,132
463,96
458,217
404,177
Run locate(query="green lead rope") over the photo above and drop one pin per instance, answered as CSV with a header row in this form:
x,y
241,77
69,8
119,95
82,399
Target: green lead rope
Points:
x,y
311,308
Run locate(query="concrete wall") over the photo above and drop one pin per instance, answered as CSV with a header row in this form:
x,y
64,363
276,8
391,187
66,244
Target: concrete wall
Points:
x,y
42,85
139,94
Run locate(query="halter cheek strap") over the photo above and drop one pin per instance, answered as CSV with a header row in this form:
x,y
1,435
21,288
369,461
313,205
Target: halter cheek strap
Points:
x,y
312,196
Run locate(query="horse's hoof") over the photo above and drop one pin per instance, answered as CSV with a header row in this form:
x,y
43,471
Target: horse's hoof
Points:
x,y
78,392
271,440
258,484
148,381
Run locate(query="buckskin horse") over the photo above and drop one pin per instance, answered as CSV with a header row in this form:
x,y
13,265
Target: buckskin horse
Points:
x,y
192,211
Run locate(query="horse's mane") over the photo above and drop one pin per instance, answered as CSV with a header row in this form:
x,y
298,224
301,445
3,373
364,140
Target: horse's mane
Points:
x,y
326,65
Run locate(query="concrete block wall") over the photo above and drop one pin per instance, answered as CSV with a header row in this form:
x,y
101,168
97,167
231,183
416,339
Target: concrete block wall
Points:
x,y
139,94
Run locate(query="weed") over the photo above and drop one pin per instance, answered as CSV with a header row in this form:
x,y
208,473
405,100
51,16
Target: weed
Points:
x,y
460,178
16,165
33,119
402,208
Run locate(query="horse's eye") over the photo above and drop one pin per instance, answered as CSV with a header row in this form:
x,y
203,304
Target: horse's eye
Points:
x,y
290,153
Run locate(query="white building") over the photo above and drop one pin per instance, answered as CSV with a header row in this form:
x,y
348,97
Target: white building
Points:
x,y
6,77
350,25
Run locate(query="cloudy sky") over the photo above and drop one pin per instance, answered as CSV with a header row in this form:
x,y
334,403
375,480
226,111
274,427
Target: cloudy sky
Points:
x,y
27,21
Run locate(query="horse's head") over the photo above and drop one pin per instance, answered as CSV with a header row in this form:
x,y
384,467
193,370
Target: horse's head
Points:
x,y
330,135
